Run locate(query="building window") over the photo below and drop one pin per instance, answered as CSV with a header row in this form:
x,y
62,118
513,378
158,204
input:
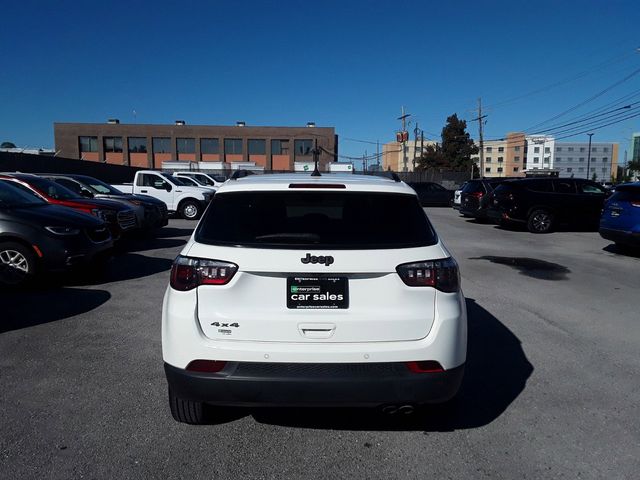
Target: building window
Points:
x,y
489,149
536,160
558,159
605,149
161,145
547,149
500,159
558,149
594,149
500,149
570,159
488,159
257,147
487,169
536,149
516,159
582,149
516,148
499,169
112,144
604,170
186,145
581,159
581,169
209,145
571,149
279,147
604,159
515,169
569,169
137,144
88,144
233,146
303,147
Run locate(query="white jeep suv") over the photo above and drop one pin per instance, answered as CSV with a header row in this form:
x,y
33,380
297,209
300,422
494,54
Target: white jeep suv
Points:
x,y
312,291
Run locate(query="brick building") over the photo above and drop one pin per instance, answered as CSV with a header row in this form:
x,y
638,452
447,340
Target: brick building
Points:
x,y
212,147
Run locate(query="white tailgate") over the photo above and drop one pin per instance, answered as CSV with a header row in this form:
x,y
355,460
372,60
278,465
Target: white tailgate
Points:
x,y
253,306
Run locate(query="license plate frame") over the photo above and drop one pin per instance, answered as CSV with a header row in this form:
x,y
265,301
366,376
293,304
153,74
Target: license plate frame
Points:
x,y
328,292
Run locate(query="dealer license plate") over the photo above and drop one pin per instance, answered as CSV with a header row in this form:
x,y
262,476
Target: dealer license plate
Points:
x,y
309,292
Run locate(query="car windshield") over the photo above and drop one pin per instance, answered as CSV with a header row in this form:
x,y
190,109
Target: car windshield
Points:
x,y
188,181
345,220
12,196
203,180
98,186
177,180
51,188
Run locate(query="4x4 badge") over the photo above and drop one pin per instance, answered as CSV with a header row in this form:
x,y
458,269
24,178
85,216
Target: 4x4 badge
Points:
x,y
327,260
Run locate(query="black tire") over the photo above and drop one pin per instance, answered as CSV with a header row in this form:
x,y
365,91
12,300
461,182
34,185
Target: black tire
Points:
x,y
540,221
190,210
17,264
186,411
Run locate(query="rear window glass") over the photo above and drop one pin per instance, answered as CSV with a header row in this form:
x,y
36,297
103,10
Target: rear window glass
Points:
x,y
539,185
631,195
473,187
347,220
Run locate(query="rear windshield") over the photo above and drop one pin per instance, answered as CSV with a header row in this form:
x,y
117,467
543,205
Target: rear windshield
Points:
x,y
626,195
337,220
473,187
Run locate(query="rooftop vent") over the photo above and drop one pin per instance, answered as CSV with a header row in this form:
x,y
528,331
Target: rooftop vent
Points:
x,y
113,121
311,124
241,124
180,122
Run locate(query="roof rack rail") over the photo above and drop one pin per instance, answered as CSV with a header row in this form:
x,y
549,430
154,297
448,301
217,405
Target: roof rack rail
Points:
x,y
240,173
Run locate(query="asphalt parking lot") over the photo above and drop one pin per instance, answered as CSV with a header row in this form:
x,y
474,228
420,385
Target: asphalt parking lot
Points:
x,y
551,388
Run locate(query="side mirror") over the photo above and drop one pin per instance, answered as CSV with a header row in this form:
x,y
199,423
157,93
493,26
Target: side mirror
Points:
x,y
167,187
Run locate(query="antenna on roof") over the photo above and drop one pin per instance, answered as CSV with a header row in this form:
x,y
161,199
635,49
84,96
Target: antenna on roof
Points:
x,y
316,154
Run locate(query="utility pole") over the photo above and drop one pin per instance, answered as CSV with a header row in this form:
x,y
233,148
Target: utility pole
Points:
x,y
481,133
403,138
378,153
415,145
589,156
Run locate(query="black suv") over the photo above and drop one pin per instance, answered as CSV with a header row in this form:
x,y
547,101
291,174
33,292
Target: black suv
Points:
x,y
542,203
37,236
476,196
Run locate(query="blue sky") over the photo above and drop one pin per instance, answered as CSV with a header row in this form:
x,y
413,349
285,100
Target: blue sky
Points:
x,y
348,64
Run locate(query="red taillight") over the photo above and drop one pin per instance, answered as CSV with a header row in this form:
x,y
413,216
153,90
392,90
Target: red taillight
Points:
x,y
317,185
440,274
188,273
426,366
476,194
205,366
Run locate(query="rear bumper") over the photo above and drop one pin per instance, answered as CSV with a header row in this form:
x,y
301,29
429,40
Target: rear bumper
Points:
x,y
621,236
271,384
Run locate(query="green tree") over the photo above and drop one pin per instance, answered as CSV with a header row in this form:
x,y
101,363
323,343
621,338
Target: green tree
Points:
x,y
7,145
594,177
455,150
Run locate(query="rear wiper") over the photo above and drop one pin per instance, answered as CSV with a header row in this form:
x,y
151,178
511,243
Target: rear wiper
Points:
x,y
308,237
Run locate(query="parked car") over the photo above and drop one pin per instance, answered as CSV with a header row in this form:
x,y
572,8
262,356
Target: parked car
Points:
x,y
329,291
204,179
476,196
456,197
193,183
150,212
543,203
188,201
36,236
432,194
118,217
620,221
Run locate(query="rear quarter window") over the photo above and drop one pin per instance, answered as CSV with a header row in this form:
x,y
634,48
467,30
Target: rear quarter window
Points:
x,y
302,219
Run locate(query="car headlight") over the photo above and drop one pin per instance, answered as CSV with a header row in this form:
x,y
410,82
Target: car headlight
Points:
x,y
104,215
64,231
136,202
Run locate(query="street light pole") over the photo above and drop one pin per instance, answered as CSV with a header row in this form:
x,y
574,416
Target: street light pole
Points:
x,y
589,156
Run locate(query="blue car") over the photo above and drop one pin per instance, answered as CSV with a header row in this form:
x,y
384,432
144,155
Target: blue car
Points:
x,y
620,221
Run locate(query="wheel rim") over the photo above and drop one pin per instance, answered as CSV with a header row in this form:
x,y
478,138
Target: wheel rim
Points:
x,y
14,266
541,222
190,210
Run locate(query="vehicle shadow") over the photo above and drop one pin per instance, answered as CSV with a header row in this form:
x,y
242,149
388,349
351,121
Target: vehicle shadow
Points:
x,y
496,373
622,250
141,244
173,232
27,308
126,266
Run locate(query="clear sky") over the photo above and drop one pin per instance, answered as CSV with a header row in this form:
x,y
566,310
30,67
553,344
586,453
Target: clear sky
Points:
x,y
347,64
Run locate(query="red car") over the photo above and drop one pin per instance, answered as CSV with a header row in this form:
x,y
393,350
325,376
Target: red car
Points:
x,y
116,215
